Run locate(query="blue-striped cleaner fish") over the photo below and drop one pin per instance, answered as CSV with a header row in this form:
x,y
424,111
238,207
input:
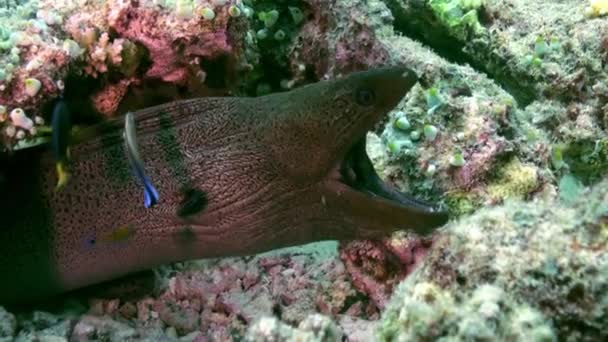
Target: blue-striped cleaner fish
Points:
x,y
137,165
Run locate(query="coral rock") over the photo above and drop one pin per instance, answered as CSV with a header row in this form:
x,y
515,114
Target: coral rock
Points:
x,y
173,46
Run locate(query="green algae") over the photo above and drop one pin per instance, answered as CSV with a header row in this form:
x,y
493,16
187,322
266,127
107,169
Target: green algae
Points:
x,y
587,159
461,20
569,188
273,28
461,203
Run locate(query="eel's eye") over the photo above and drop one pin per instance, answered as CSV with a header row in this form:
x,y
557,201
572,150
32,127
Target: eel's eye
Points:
x,y
365,96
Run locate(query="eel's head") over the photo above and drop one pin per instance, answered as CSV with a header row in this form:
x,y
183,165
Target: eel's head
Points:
x,y
321,146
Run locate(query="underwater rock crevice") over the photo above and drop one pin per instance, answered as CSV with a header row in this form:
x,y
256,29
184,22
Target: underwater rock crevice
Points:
x,y
416,20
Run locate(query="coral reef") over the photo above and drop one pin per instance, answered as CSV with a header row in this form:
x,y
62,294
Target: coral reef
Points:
x,y
457,118
550,258
455,132
507,127
32,67
597,8
8,324
460,133
547,55
118,43
428,312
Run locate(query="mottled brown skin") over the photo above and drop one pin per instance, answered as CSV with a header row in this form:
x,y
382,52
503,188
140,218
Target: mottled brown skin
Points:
x,y
267,165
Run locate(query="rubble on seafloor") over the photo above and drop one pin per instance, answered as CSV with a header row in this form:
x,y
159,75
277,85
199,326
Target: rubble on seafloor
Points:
x,y
214,299
507,126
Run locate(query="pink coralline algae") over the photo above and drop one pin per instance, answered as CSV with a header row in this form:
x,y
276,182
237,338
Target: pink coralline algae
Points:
x,y
218,300
482,159
375,267
351,48
45,62
107,100
174,46
18,95
114,42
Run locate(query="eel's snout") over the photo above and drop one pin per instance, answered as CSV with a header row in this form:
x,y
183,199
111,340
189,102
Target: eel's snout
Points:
x,y
424,221
390,85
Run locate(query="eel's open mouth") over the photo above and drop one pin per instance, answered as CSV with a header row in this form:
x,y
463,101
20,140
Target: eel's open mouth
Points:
x,y
357,172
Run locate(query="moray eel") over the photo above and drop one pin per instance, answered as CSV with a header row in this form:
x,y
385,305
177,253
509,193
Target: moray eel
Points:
x,y
236,176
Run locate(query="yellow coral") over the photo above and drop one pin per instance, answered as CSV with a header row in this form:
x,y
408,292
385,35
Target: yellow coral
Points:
x,y
597,8
461,202
515,181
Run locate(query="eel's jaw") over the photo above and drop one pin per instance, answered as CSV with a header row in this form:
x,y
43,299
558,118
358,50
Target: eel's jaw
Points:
x,y
382,208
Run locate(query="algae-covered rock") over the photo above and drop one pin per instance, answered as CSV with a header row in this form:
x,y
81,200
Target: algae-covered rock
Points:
x,y
8,324
535,49
92,327
515,180
543,262
547,55
428,312
453,134
315,328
